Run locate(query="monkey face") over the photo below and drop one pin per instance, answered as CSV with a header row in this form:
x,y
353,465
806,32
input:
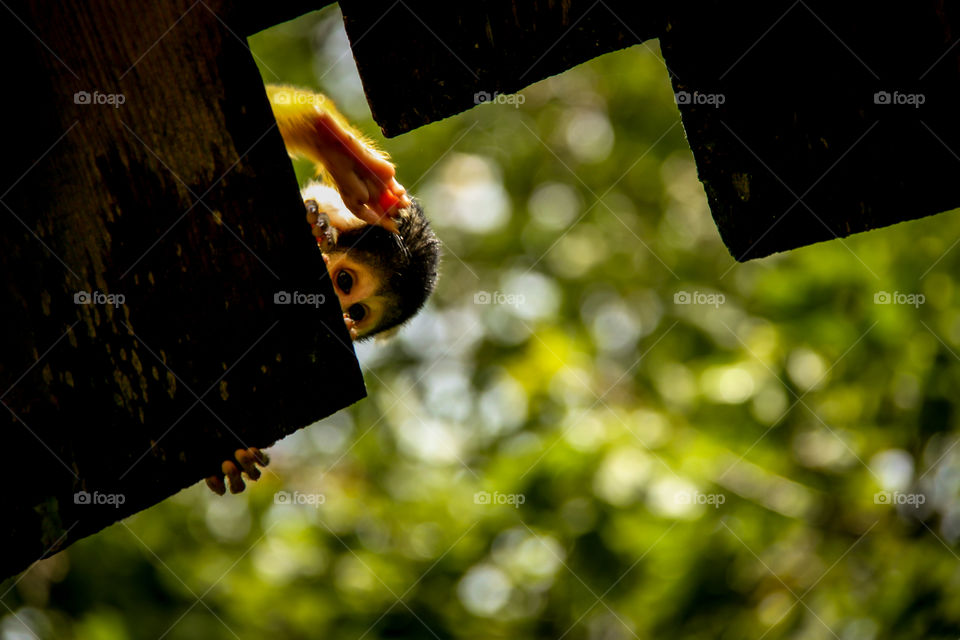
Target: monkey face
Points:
x,y
358,287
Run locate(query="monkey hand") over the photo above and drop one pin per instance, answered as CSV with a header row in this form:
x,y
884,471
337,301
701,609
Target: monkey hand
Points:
x,y
325,232
365,178
351,326
246,461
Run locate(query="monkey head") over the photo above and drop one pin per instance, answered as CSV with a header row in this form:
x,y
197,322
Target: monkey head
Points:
x,y
382,278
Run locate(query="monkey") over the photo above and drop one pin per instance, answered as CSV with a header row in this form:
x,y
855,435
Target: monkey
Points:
x,y
380,253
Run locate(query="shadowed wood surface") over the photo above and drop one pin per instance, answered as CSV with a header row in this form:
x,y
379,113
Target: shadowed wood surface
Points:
x,y
782,102
833,118
420,63
151,231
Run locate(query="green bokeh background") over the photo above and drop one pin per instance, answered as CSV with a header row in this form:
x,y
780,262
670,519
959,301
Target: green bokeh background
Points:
x,y
559,446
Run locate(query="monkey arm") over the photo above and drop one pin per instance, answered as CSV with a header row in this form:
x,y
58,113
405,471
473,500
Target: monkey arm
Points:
x,y
312,127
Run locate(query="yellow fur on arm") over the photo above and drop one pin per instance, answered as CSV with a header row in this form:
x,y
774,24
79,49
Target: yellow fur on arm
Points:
x,y
299,113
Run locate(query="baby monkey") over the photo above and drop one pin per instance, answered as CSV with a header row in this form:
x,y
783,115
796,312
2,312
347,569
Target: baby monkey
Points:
x,y
380,252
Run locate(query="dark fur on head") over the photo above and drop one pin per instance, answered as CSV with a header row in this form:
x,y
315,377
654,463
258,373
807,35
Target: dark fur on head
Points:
x,y
407,261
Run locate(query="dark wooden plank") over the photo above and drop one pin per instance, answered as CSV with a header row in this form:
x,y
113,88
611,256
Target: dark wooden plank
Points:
x,y
423,62
792,150
251,17
803,147
182,201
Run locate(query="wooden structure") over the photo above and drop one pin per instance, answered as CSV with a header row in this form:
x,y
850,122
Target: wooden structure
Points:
x,y
808,120
152,232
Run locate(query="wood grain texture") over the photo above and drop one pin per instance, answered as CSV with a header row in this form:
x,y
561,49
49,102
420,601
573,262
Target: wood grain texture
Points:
x,y
181,200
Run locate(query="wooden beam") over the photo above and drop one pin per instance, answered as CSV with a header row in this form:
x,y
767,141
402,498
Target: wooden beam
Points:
x,y
783,102
151,225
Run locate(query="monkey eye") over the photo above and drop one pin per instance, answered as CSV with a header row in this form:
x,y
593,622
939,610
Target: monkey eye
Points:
x,y
357,312
344,281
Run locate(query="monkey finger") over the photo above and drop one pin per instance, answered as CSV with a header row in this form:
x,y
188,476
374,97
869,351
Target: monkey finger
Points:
x,y
351,326
216,485
389,203
401,202
379,166
375,204
360,208
399,194
379,218
233,474
353,190
389,223
367,214
313,211
260,457
391,199
246,460
396,188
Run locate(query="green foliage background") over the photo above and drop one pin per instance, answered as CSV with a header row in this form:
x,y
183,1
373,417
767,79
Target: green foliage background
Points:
x,y
689,471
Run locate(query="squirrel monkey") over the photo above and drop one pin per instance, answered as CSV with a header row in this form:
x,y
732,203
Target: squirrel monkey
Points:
x,y
380,252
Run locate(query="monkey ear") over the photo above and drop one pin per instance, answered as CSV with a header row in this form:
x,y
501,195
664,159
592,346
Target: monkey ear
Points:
x,y
386,336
